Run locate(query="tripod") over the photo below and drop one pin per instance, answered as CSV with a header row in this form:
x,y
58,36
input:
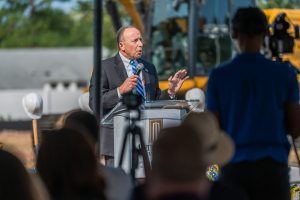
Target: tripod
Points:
x,y
135,132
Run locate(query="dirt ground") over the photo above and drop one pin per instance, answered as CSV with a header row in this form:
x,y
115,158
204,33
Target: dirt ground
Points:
x,y
20,144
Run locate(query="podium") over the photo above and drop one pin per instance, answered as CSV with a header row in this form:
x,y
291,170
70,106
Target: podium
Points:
x,y
155,115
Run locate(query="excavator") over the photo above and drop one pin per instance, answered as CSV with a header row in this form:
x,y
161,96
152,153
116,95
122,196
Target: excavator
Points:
x,y
193,34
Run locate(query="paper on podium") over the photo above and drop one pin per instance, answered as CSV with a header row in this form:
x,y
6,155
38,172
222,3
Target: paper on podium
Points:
x,y
162,103
179,105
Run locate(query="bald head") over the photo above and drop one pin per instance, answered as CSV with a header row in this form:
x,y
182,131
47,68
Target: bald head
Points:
x,y
130,42
121,31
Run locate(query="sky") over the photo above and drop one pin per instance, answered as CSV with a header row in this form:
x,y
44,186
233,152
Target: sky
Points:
x,y
66,6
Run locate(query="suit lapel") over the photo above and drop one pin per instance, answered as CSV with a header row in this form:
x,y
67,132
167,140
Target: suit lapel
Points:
x,y
120,68
145,73
146,77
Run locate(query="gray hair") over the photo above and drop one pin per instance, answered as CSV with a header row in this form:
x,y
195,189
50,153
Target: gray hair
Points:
x,y
121,31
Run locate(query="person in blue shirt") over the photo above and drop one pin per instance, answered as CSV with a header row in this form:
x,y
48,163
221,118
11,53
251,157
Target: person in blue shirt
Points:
x,y
256,102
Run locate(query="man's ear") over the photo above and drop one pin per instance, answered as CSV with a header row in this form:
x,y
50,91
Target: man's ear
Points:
x,y
121,46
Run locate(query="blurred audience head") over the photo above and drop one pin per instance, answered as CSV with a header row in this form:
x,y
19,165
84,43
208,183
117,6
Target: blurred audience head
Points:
x,y
177,165
82,121
15,182
67,164
249,21
177,155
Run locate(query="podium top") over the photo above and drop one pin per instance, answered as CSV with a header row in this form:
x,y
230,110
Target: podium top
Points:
x,y
163,104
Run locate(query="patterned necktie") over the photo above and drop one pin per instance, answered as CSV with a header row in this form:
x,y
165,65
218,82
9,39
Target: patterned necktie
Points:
x,y
139,87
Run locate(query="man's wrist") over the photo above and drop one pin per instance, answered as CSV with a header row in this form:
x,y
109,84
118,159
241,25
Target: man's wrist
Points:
x,y
119,93
171,94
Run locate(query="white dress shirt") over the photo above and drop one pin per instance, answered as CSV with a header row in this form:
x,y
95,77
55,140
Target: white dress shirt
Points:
x,y
128,69
129,72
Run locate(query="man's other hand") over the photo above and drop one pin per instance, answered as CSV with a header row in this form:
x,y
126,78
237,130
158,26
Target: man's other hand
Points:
x,y
175,82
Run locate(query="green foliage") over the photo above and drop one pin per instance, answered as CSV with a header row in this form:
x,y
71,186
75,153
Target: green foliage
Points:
x,y
109,34
34,23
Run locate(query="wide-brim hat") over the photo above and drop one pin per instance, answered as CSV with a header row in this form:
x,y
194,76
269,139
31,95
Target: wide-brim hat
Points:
x,y
218,147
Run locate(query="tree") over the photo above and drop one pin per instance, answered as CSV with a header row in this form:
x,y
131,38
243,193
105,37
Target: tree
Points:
x,y
35,23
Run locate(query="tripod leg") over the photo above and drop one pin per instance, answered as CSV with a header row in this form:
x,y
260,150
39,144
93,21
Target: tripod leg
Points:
x,y
146,161
123,148
134,157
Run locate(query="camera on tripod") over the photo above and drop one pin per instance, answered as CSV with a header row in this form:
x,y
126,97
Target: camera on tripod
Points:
x,y
132,101
134,133
280,40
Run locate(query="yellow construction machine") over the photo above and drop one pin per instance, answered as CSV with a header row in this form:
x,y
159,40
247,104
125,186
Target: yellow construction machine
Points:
x,y
292,18
195,35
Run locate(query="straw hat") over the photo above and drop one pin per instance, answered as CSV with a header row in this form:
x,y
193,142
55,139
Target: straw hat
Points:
x,y
178,154
218,147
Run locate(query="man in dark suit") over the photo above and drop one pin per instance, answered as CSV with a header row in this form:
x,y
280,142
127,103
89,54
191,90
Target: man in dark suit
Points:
x,y
118,79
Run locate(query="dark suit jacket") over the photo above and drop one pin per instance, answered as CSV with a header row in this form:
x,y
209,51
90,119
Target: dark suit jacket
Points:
x,y
113,75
